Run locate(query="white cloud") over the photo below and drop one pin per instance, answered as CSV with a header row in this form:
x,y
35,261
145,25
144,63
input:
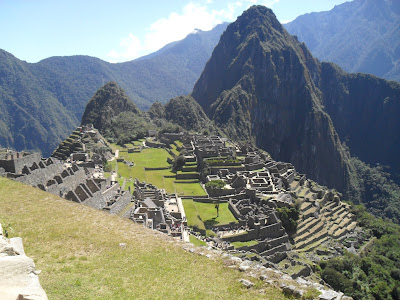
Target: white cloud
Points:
x,y
178,25
130,46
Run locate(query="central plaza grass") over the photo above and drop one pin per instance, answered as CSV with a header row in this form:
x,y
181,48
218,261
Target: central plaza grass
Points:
x,y
208,213
192,214
201,214
154,158
77,250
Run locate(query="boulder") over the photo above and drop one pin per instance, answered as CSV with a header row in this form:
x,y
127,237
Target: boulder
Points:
x,y
246,283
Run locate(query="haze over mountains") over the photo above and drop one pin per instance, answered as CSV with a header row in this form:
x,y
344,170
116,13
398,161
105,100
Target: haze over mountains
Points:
x,y
360,36
42,102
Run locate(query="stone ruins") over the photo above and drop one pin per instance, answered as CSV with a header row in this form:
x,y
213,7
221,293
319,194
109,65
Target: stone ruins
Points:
x,y
255,188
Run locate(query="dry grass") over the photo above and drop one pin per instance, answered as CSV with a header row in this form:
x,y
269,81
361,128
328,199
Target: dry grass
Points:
x,y
77,249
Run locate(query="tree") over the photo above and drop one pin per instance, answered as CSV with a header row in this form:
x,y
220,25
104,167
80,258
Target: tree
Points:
x,y
179,162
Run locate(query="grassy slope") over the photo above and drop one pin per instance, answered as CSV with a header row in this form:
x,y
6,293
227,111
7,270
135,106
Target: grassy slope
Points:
x,y
77,249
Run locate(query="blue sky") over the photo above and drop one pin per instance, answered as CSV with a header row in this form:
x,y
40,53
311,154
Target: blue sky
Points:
x,y
121,30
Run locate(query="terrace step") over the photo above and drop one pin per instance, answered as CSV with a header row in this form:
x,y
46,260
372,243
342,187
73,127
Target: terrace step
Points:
x,y
305,225
346,221
352,226
310,212
280,248
339,233
320,235
305,206
313,246
310,231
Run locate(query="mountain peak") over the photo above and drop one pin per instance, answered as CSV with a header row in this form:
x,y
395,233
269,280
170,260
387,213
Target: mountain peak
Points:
x,y
108,102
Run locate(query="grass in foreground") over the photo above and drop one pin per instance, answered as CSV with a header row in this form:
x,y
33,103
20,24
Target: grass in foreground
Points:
x,y
77,249
195,241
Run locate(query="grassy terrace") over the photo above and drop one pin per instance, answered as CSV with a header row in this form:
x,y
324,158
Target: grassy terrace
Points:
x,y
77,249
201,214
242,244
154,158
208,213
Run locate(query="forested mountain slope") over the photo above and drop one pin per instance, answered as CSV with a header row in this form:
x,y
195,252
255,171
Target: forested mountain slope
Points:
x,y
43,102
360,36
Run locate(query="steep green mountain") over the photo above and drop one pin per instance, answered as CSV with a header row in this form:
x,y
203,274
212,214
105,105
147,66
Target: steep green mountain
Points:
x,y
41,103
258,86
115,115
360,36
30,116
262,85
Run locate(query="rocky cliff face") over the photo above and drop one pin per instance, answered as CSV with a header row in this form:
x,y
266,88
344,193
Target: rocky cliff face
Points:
x,y
259,86
365,112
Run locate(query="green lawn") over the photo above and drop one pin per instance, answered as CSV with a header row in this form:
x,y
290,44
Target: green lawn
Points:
x,y
242,244
195,241
174,150
77,248
152,158
189,188
208,213
149,157
192,215
178,143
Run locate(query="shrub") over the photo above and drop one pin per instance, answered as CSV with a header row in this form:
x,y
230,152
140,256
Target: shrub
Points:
x,y
215,184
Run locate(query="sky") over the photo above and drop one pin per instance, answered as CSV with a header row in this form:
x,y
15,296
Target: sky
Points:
x,y
121,30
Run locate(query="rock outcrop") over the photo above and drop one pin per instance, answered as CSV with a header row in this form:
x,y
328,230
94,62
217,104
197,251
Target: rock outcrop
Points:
x,y
18,276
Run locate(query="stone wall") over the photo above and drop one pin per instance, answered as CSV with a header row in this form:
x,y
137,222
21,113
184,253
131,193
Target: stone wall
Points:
x,y
119,205
16,161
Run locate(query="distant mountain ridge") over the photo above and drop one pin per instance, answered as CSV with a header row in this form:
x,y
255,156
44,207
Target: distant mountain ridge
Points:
x,y
42,102
359,36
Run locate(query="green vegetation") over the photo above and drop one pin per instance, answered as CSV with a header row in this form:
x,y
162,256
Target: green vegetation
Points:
x,y
192,215
378,191
215,184
163,179
190,188
376,272
200,215
175,150
242,244
78,250
186,112
115,115
289,217
178,163
221,161
208,214
195,241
